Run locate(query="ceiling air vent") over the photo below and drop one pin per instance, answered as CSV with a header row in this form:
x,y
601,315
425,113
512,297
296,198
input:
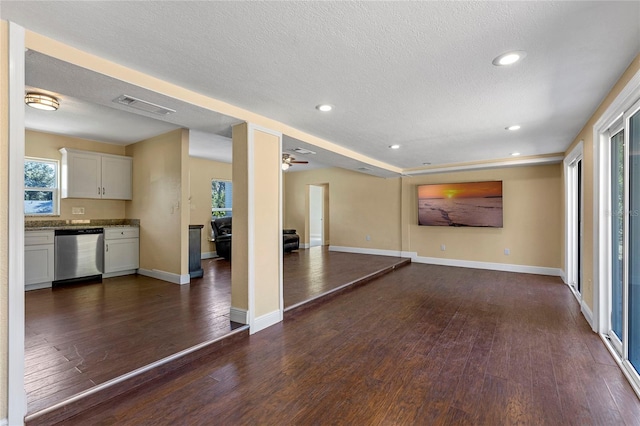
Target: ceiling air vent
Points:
x,y
136,103
302,151
364,169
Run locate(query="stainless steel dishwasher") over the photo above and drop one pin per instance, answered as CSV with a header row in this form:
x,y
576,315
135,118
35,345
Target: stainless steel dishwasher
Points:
x,y
79,254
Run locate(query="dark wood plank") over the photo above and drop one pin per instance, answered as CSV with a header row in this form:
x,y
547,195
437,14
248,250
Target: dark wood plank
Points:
x,y
417,346
82,335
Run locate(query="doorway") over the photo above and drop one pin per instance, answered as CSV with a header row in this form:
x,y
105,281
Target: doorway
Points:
x,y
316,215
574,223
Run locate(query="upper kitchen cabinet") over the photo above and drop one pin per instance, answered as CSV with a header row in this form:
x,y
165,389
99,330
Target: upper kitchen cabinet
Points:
x,y
94,175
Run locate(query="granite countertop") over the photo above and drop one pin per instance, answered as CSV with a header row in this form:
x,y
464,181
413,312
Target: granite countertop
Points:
x,y
51,225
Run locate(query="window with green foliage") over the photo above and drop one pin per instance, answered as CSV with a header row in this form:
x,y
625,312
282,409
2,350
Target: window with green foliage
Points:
x,y
221,198
40,187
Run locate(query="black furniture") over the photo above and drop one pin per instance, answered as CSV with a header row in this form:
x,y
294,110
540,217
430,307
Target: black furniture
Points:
x,y
195,266
221,227
290,240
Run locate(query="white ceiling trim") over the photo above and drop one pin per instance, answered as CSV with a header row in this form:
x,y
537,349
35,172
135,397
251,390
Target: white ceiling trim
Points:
x,y
535,161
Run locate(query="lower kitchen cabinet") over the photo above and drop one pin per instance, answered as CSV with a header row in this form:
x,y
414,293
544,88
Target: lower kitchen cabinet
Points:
x,y
38,259
121,251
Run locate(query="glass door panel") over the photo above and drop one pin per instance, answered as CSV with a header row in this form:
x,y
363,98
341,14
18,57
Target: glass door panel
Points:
x,y
617,232
633,240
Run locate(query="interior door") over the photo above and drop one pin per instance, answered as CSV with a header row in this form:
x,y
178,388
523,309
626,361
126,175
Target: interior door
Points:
x,y
316,212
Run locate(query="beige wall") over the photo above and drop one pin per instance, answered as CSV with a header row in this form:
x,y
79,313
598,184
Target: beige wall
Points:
x,y
586,135
201,173
267,236
532,220
358,204
157,200
183,206
361,205
46,145
4,210
239,248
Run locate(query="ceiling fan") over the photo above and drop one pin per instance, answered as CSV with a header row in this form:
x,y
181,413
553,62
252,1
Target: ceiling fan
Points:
x,y
288,161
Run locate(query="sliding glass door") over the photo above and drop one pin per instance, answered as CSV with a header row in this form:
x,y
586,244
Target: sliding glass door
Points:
x,y
624,237
632,240
617,237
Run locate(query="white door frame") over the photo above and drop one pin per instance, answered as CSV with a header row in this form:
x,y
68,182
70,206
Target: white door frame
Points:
x,y
17,399
628,96
572,232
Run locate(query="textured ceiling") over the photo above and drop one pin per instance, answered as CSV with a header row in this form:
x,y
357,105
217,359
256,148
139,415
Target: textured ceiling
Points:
x,y
418,74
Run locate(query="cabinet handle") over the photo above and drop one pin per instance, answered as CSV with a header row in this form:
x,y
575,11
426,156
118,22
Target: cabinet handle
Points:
x,y
98,190
103,190
107,247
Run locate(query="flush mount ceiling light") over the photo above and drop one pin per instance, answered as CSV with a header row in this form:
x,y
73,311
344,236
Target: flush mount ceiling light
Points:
x,y
515,154
509,58
41,101
324,107
394,146
514,127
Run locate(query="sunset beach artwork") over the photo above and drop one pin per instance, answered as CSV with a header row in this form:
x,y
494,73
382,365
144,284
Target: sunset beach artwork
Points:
x,y
461,204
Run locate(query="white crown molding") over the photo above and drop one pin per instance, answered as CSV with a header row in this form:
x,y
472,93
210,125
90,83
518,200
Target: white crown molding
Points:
x,y
534,161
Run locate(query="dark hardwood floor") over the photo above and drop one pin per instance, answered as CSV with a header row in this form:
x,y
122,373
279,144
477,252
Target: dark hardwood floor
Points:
x,y
424,345
83,335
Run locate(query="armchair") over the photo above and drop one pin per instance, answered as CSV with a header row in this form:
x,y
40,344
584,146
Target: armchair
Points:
x,y
221,227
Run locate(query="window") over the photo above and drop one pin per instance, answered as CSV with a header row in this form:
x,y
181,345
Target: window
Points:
x,y
221,198
40,187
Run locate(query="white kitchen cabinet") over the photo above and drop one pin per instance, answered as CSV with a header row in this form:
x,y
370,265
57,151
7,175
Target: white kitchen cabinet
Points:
x,y
38,259
94,175
121,251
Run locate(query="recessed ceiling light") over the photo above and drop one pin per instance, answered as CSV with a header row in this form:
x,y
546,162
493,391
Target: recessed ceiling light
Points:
x,y
514,127
394,146
324,107
509,58
515,154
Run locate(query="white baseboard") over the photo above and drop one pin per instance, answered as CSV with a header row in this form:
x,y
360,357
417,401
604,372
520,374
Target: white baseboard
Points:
x,y
305,245
119,273
37,286
238,315
586,311
563,276
525,269
208,255
378,252
265,321
165,276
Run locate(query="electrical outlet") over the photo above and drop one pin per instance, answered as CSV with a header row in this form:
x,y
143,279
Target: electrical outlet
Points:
x,y
368,238
443,247
77,210
507,252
